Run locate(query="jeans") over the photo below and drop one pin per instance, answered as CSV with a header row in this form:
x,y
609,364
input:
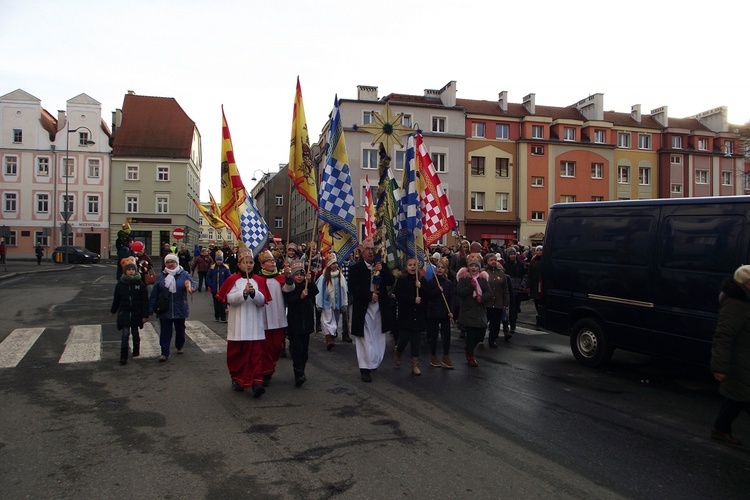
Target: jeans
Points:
x,y
202,279
126,332
165,334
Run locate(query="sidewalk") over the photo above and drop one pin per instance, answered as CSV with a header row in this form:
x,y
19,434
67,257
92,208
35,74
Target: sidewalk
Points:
x,y
14,267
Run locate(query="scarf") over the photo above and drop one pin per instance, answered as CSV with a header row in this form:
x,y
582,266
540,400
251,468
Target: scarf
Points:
x,y
477,288
269,274
169,282
130,279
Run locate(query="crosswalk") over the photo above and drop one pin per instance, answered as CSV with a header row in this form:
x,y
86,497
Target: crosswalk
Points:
x,y
85,343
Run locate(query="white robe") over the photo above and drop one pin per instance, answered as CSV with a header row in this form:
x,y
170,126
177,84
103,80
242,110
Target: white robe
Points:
x,y
245,318
275,309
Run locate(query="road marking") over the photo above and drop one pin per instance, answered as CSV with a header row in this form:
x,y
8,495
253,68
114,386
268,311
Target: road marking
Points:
x,y
83,344
16,345
204,337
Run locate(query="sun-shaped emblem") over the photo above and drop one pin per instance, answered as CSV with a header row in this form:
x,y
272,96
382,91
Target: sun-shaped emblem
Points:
x,y
387,128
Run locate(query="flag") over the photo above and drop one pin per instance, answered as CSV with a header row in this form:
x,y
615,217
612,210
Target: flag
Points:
x,y
301,167
212,217
437,215
326,242
369,211
409,224
336,202
237,208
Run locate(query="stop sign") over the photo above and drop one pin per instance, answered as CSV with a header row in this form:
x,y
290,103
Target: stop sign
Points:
x,y
178,233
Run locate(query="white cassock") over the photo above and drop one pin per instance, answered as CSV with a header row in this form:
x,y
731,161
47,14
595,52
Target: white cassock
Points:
x,y
371,347
245,318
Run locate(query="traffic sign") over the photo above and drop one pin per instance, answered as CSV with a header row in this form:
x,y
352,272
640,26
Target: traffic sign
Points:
x,y
178,233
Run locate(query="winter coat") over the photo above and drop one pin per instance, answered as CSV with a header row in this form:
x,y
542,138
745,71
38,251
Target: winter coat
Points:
x,y
411,316
517,271
201,263
435,304
730,353
216,276
473,313
178,301
535,276
300,312
130,302
360,278
499,285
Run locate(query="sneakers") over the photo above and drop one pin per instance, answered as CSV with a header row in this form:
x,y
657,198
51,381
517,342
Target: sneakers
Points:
x,y
434,361
725,437
447,363
180,351
163,358
415,367
471,360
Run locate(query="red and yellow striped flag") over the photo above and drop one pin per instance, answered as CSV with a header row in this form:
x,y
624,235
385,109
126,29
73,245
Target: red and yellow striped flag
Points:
x,y
233,193
301,168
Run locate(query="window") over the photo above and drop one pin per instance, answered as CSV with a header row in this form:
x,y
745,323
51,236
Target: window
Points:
x,y
597,198
567,169
406,120
676,188
40,237
537,182
83,138
623,139
69,167
644,141
600,136
132,173
162,204
644,176
675,159
438,124
162,173
400,159
477,201
726,179
10,202
11,239
367,117
597,170
477,129
676,142
537,216
477,165
537,132
567,198
42,166
501,131
17,135
131,203
502,200
569,134
438,161
92,204
369,158
623,174
279,200
278,222
93,168
11,165
537,150
42,203
703,144
728,148
68,203
701,176
502,167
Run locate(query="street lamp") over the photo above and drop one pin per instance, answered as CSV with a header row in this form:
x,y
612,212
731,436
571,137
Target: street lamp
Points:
x,y
67,209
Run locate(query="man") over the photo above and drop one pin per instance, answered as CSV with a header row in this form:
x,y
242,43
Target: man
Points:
x,y
230,259
39,253
185,257
372,312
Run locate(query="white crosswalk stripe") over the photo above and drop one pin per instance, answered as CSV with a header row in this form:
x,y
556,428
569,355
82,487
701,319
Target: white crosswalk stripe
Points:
x,y
84,343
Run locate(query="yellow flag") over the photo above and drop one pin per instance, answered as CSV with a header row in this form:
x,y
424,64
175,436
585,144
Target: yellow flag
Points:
x,y
233,193
301,168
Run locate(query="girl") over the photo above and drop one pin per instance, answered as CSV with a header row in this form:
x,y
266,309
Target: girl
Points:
x,y
331,299
440,294
130,302
411,319
473,291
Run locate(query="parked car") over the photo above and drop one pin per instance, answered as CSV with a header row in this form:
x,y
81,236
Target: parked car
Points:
x,y
76,255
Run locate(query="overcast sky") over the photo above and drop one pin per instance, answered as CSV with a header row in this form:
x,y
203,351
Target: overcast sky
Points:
x,y
247,55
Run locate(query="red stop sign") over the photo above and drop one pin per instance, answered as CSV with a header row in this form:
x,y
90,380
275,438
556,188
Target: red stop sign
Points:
x,y
178,233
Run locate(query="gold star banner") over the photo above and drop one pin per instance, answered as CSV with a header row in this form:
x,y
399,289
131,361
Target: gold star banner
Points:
x,y
387,128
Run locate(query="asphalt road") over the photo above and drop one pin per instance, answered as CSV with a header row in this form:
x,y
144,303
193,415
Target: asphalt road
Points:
x,y
529,422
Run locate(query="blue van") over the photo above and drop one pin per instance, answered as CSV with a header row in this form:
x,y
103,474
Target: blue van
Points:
x,y
641,275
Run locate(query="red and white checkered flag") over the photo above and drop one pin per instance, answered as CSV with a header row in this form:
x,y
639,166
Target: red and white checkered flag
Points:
x,y
437,215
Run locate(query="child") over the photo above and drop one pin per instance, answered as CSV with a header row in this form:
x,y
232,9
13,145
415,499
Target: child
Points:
x,y
473,291
440,294
299,294
332,299
216,276
411,320
130,302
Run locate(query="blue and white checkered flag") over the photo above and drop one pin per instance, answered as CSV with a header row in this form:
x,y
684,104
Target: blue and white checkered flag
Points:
x,y
409,225
253,229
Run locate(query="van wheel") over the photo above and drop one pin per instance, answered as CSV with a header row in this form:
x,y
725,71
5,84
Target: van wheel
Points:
x,y
589,343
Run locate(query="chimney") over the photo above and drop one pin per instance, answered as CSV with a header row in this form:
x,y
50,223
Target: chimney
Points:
x,y
131,92
367,93
62,121
529,102
635,112
502,100
661,116
592,107
715,119
448,94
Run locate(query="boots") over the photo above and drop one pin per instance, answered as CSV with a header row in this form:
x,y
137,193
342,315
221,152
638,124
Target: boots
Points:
x,y
434,361
330,343
507,334
471,359
299,378
398,358
136,349
447,362
415,367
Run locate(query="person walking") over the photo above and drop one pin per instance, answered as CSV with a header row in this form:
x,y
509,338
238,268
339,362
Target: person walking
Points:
x,y
515,269
730,353
201,264
440,293
130,302
300,295
215,278
270,283
39,250
535,275
332,299
3,251
498,305
176,283
473,291
411,320
185,256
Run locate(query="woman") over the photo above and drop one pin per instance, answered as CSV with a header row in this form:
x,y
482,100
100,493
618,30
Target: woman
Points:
x,y
331,299
473,291
177,285
440,294
201,263
496,307
410,320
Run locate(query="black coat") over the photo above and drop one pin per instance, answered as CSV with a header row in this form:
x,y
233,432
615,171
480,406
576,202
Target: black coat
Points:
x,y
360,279
411,316
130,302
300,313
436,307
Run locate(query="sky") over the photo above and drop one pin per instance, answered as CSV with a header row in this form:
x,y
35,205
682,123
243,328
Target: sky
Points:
x,y
246,55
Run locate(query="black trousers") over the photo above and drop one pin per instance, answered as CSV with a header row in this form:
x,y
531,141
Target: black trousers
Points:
x,y
299,346
728,412
442,326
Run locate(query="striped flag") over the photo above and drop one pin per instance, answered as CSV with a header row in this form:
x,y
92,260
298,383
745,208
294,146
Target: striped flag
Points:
x,y
301,167
409,221
336,199
211,214
369,211
437,215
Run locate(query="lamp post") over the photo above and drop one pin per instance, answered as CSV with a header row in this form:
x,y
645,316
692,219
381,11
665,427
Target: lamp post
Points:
x,y
67,208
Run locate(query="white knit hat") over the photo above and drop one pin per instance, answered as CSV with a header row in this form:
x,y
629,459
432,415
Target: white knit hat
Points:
x,y
742,274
